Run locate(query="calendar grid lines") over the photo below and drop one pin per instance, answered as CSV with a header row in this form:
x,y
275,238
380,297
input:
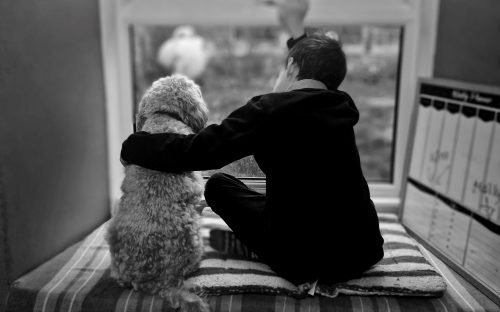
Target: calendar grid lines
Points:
x,y
425,146
453,187
455,138
467,169
486,167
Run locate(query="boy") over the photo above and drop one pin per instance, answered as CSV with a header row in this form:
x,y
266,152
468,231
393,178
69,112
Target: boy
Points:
x,y
317,220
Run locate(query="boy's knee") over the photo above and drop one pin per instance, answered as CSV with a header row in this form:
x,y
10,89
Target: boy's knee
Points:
x,y
215,182
213,187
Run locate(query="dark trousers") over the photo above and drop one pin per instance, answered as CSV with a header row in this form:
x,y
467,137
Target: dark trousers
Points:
x,y
243,209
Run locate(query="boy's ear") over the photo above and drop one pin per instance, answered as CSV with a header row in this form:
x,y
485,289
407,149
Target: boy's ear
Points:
x,y
291,68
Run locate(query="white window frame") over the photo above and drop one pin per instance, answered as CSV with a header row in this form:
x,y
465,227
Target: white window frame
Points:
x,y
417,17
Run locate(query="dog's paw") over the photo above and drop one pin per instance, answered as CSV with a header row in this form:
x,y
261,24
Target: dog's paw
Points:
x,y
123,283
194,288
199,209
184,299
136,286
194,306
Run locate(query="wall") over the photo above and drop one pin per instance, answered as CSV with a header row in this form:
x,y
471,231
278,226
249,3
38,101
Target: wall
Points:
x,y
468,41
52,128
3,245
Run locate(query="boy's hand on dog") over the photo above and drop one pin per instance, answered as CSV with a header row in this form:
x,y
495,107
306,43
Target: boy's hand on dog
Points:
x,y
130,148
124,163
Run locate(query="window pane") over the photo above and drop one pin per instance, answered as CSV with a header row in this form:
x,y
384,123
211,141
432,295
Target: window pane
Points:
x,y
234,63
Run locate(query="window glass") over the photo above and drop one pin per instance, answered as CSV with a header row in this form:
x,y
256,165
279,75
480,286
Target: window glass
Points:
x,y
234,63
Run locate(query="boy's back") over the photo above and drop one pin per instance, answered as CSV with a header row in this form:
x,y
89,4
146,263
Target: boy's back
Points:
x,y
317,199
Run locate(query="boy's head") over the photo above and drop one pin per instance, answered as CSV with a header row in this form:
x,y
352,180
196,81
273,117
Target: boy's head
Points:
x,y
318,57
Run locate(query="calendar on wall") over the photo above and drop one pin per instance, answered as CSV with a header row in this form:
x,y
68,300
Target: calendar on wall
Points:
x,y
452,197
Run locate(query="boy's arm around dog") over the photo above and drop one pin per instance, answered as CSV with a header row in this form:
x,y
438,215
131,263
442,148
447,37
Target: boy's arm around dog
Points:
x,y
289,119
213,147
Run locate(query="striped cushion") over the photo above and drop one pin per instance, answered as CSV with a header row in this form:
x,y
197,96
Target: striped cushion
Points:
x,y
403,271
78,280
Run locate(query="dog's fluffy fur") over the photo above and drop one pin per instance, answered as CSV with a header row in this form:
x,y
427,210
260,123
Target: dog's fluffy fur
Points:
x,y
154,236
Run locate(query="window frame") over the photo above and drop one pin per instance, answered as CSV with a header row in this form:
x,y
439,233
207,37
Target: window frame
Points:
x,y
418,19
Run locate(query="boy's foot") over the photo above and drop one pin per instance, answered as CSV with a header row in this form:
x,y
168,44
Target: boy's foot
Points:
x,y
226,242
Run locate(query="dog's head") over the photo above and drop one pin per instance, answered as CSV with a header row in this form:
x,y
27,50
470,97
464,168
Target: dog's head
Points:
x,y
177,96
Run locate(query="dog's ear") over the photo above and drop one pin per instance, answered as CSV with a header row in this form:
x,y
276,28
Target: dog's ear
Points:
x,y
142,108
139,121
198,111
190,103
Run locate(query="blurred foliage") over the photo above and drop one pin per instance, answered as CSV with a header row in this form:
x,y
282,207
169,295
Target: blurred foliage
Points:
x,y
245,62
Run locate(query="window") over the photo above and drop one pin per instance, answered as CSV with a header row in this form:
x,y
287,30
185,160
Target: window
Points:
x,y
384,43
243,61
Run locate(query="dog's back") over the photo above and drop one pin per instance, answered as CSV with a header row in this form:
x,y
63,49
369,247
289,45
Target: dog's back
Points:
x,y
153,237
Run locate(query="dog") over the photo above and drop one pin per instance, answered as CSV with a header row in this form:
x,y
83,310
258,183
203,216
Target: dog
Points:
x,y
154,237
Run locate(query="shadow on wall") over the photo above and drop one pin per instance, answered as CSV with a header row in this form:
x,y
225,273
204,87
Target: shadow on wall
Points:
x,y
52,130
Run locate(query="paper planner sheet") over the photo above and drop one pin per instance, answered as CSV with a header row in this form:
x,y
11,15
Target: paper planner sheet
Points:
x,y
453,190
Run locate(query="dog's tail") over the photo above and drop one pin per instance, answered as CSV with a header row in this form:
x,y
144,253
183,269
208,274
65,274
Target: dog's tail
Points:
x,y
185,298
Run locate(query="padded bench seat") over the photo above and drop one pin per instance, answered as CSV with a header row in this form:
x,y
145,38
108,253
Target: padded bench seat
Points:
x,y
57,285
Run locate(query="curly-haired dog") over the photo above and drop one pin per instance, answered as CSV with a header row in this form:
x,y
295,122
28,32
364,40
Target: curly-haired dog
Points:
x,y
154,237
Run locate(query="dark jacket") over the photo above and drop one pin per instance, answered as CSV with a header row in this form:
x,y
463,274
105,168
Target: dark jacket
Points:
x,y
318,202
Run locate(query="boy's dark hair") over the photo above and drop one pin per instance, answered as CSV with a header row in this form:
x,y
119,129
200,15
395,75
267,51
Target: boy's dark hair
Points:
x,y
321,58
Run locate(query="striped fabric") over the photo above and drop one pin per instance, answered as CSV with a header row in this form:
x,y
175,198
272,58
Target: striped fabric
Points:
x,y
402,271
78,280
